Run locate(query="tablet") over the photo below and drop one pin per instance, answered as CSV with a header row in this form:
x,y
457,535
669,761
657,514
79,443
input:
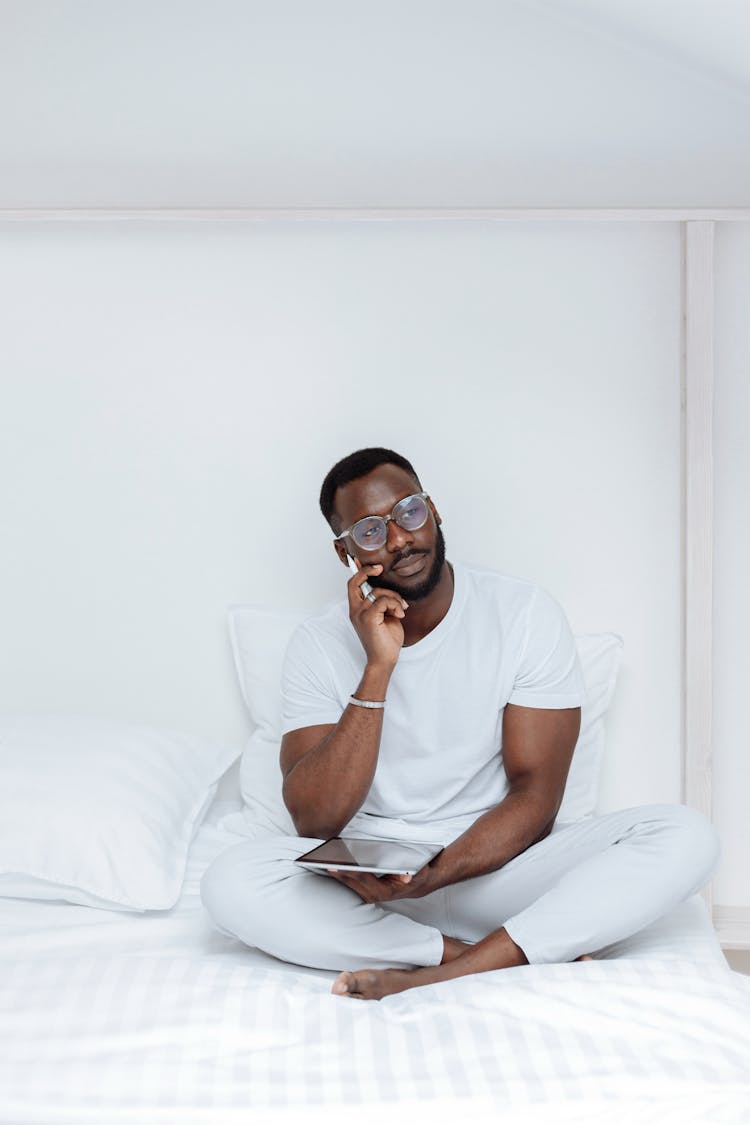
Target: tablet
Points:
x,y
382,857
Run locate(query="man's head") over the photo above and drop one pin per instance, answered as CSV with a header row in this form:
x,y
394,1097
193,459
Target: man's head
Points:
x,y
374,482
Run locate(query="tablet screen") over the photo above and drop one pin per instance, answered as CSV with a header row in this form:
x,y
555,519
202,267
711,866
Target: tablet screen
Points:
x,y
383,857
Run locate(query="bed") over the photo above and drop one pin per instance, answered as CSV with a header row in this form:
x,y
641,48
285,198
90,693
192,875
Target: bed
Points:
x,y
120,1002
109,1016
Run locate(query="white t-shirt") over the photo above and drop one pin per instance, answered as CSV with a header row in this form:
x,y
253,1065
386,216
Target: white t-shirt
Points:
x,y
440,764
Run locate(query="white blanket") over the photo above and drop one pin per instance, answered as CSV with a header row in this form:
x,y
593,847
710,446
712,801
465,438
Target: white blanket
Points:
x,y
107,1017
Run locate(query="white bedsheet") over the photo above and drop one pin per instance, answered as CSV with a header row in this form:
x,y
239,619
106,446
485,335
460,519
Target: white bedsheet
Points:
x,y
107,1017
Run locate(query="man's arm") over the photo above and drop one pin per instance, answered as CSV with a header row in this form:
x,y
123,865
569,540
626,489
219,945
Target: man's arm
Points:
x,y
328,770
538,747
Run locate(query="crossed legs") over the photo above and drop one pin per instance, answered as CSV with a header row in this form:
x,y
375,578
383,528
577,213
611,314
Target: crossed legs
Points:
x,y
585,886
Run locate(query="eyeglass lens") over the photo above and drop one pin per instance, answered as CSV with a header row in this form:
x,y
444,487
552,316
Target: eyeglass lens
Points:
x,y
372,532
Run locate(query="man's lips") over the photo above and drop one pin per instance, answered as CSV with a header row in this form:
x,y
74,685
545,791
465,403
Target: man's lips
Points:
x,y
411,564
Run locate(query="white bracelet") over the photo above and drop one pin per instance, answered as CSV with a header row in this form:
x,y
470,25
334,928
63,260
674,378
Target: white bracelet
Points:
x,y
366,703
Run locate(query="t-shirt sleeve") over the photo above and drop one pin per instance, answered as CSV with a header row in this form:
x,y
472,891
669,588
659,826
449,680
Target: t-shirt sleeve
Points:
x,y
549,672
309,694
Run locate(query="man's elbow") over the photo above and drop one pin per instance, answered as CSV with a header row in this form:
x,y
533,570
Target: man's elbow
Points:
x,y
308,822
316,829
544,833
542,805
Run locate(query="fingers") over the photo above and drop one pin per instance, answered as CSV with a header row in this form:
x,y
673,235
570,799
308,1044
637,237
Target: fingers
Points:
x,y
371,888
357,581
384,601
365,885
356,880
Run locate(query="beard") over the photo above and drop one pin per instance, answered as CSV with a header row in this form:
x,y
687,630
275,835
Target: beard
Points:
x,y
428,584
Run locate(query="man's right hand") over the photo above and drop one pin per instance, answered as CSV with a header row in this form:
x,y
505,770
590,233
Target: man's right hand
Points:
x,y
328,769
377,623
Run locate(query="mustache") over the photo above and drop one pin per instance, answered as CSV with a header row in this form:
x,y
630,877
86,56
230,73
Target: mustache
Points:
x,y
406,555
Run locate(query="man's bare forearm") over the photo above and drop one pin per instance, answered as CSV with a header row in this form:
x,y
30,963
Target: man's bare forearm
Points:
x,y
524,817
326,787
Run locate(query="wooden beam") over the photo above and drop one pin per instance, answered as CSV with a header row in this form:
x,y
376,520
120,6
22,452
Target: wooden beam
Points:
x,y
371,214
697,521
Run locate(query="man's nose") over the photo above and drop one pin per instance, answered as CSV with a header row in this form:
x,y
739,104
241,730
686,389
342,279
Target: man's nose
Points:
x,y
397,537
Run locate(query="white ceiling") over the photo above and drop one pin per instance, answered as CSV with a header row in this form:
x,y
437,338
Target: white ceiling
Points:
x,y
709,37
538,103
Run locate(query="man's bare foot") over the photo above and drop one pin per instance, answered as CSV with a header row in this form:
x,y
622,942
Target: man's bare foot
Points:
x,y
374,984
497,951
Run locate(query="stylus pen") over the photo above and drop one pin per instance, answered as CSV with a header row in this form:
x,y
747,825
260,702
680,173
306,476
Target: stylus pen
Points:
x,y
366,588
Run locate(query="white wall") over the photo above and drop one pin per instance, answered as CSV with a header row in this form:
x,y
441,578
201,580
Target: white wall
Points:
x,y
173,394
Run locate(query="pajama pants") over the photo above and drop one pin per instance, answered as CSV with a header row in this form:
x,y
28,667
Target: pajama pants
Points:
x,y
587,885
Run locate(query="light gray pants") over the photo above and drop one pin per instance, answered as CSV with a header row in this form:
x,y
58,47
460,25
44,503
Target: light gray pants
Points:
x,y
586,885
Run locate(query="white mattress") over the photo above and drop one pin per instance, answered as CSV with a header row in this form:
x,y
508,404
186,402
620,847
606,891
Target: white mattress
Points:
x,y
110,1017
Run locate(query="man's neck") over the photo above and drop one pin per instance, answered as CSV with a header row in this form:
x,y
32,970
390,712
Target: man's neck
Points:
x,y
423,616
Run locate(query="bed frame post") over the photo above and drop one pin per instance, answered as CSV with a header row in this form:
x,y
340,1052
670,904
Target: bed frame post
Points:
x,y
697,515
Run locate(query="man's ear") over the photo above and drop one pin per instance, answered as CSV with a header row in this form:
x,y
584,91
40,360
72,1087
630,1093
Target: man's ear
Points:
x,y
340,550
434,511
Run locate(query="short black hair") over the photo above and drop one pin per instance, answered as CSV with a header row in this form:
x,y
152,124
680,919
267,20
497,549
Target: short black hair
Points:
x,y
356,465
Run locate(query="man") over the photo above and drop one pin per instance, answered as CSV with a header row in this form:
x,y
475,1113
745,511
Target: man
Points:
x,y
442,706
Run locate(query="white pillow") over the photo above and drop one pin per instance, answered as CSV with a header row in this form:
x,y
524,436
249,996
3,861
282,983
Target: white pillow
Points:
x,y
259,638
600,655
101,813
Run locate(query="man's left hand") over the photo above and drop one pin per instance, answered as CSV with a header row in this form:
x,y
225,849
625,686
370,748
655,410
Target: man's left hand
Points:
x,y
385,888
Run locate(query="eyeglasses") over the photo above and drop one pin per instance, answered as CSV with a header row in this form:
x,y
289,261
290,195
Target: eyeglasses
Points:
x,y
371,532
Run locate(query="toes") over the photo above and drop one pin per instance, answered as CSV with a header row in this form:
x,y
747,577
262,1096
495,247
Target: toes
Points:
x,y
342,985
349,984
362,985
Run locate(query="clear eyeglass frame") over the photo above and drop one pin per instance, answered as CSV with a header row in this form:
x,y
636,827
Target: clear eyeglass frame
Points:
x,y
385,520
